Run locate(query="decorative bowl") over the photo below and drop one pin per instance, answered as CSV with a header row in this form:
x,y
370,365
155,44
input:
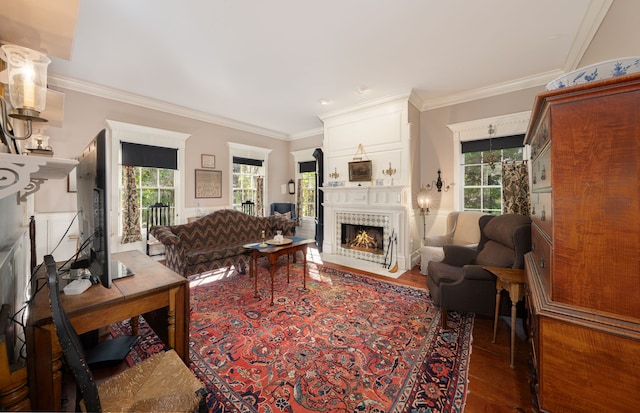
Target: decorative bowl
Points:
x,y
597,71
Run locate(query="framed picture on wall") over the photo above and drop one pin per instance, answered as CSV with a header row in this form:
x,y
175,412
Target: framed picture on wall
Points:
x,y
208,183
208,161
360,171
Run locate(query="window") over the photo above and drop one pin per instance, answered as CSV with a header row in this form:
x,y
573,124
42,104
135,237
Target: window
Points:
x,y
307,207
482,189
154,185
155,176
308,194
245,180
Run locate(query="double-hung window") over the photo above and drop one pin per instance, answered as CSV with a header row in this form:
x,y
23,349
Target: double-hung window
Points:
x,y
307,189
155,175
482,171
245,180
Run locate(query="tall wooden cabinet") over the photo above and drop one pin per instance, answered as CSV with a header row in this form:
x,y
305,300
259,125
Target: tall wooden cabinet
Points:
x,y
583,273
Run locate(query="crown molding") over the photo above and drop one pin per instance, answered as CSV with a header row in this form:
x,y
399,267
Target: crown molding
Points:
x,y
130,98
594,15
493,90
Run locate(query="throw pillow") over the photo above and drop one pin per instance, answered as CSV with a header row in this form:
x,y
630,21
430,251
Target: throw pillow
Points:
x,y
286,215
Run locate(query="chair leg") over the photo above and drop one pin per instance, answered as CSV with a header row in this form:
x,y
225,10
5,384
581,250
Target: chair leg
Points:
x,y
443,319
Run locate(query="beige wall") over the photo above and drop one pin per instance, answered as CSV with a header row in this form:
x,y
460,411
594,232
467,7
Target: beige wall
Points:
x,y
85,115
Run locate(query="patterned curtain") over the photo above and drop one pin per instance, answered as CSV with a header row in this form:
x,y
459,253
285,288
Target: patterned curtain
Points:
x,y
299,202
260,196
130,214
515,188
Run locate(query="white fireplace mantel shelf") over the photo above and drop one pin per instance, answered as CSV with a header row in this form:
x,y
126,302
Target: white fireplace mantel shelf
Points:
x,y
25,174
388,197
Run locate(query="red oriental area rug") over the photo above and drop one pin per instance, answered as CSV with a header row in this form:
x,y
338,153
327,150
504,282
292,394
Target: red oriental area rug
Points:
x,y
349,343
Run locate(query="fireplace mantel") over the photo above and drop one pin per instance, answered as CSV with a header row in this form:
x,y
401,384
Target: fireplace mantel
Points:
x,y
379,197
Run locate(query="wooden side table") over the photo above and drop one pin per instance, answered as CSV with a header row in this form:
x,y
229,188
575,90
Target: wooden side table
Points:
x,y
513,281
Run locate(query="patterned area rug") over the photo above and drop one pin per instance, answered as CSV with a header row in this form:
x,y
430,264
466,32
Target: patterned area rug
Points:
x,y
349,343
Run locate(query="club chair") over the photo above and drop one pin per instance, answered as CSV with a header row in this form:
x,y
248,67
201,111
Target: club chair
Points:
x,y
462,229
160,383
459,283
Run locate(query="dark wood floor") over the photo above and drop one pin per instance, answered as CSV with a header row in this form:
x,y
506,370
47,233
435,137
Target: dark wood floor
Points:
x,y
493,386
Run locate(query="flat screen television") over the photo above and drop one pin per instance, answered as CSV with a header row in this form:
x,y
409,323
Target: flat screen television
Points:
x,y
94,195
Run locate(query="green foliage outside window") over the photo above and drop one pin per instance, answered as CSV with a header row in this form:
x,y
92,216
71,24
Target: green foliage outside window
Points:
x,y
154,185
244,183
308,194
483,183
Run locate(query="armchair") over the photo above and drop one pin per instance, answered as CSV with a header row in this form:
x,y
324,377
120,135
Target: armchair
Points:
x,y
460,283
283,208
462,229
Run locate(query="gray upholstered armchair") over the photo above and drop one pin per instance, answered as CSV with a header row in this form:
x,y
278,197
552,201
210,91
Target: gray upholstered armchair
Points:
x,y
460,283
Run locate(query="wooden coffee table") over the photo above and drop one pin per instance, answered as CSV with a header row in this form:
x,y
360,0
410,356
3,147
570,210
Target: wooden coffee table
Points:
x,y
272,252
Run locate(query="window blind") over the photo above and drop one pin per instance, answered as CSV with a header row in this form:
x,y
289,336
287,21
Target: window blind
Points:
x,y
505,142
135,154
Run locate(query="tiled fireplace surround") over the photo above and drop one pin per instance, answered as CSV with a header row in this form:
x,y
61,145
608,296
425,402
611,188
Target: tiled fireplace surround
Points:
x,y
376,206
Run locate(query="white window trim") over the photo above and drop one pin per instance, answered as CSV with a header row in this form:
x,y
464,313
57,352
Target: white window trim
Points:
x,y
252,152
505,125
128,132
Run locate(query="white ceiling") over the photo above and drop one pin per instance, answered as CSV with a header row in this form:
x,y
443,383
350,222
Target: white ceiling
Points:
x,y
267,64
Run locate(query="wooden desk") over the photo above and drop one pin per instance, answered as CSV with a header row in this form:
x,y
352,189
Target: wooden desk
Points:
x,y
513,281
153,287
272,252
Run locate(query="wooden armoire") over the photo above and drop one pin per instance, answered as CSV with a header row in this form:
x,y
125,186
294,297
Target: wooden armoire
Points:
x,y
583,273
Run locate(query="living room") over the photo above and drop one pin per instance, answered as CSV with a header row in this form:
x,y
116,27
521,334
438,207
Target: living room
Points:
x,y
89,107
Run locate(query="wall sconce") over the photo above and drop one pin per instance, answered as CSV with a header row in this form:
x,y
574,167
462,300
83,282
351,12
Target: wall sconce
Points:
x,y
27,79
334,174
439,183
423,203
291,186
389,171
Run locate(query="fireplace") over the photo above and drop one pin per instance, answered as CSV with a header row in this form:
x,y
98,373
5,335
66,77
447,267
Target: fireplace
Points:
x,y
363,238
362,235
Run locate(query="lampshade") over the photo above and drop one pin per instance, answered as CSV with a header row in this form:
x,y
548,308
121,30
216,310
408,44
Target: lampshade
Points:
x,y
423,198
27,78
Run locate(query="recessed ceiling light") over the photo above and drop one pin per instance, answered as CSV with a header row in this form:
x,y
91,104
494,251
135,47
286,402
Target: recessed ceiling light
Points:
x,y
361,89
323,102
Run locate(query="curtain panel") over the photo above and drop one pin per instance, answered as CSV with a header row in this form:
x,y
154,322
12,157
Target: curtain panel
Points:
x,y
130,214
515,188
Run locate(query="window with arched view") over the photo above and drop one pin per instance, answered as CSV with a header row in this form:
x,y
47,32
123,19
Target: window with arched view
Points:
x,y
482,171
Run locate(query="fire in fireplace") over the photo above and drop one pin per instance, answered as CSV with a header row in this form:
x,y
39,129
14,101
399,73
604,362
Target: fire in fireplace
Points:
x,y
363,238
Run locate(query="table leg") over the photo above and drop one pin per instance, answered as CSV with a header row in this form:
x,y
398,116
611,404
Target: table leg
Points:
x,y
253,263
288,272
495,317
513,332
272,262
304,267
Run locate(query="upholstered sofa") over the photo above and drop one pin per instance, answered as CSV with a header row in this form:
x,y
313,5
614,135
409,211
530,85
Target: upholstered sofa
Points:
x,y
216,240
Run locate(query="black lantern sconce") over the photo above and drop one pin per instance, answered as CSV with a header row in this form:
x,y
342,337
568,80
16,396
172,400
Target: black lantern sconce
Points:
x,y
439,183
291,186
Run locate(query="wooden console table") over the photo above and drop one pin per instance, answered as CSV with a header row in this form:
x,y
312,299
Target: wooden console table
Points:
x,y
153,287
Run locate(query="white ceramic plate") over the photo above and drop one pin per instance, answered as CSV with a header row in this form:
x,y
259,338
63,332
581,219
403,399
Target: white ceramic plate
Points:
x,y
597,71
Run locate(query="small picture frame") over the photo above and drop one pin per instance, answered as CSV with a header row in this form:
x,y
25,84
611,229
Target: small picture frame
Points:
x,y
208,183
208,161
360,171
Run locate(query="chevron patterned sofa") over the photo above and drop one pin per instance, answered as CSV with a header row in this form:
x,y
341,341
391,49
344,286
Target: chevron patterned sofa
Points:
x,y
216,240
